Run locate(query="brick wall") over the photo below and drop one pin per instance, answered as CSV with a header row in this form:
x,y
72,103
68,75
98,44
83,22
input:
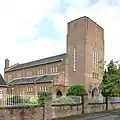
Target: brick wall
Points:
x,y
56,111
21,114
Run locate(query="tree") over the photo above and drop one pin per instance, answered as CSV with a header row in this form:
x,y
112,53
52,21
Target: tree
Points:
x,y
111,80
42,96
76,90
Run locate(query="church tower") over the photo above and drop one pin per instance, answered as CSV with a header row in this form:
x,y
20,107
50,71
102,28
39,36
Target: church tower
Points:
x,y
85,49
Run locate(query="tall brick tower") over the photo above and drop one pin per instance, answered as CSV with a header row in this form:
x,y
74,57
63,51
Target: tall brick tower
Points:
x,y
85,49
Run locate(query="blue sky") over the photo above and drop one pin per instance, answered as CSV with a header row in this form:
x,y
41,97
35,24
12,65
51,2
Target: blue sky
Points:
x,y
40,29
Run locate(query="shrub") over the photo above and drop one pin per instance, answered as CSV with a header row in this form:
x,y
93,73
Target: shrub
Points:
x,y
64,100
76,90
33,100
26,100
42,97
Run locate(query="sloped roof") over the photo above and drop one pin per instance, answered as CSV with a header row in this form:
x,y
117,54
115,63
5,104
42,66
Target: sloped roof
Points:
x,y
37,62
32,80
2,81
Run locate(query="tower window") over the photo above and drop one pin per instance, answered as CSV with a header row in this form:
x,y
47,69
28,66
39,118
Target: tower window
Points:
x,y
97,62
74,59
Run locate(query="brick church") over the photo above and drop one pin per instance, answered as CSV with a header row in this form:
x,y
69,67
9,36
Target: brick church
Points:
x,y
79,65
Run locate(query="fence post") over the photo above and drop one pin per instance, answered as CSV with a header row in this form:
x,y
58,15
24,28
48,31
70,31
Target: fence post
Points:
x,y
47,109
106,103
84,103
43,111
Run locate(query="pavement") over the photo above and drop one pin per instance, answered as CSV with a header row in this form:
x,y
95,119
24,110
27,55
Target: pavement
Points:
x,y
112,115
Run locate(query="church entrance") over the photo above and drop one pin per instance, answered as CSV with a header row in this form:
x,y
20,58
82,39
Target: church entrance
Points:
x,y
59,93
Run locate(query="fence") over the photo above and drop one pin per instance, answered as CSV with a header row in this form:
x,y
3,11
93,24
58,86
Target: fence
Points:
x,y
67,100
114,99
62,106
15,100
99,99
22,100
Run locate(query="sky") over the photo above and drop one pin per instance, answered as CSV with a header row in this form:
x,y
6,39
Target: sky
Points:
x,y
34,29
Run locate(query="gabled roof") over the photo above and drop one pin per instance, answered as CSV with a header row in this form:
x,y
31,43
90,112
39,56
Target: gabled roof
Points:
x,y
2,81
56,58
32,80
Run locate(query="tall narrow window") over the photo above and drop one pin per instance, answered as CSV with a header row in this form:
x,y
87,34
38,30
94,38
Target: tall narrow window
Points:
x,y
51,69
56,69
93,59
74,59
97,62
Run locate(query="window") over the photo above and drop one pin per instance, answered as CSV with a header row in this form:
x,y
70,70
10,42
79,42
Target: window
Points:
x,y
43,88
40,89
56,69
19,74
93,59
97,62
97,75
38,72
74,59
92,74
51,69
41,71
9,77
30,89
29,73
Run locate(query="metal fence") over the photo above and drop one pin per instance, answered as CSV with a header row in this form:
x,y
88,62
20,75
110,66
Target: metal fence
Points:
x,y
98,99
114,99
18,100
67,100
22,100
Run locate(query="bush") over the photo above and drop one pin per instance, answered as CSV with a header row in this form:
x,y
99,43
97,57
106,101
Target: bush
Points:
x,y
13,99
64,100
26,100
33,100
76,90
42,97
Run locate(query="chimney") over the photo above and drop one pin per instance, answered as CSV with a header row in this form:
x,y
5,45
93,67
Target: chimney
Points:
x,y
6,63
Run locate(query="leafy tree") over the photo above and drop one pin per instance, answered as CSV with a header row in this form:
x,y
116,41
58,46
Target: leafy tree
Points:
x,y
112,68
111,80
76,90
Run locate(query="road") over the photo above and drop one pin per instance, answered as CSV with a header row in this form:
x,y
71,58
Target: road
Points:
x,y
113,115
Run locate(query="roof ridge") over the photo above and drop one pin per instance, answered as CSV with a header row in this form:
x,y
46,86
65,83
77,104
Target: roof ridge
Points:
x,y
37,62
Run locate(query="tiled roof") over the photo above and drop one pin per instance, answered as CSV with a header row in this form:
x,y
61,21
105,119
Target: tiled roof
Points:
x,y
32,79
2,81
37,62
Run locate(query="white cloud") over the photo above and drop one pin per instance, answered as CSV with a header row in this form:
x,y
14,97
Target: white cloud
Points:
x,y
33,50
105,13
17,19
